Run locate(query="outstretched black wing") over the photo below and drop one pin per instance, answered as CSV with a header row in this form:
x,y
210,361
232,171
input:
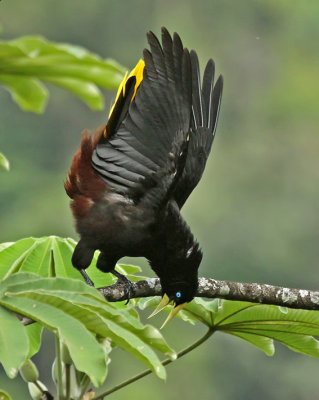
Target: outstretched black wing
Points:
x,y
206,99
141,133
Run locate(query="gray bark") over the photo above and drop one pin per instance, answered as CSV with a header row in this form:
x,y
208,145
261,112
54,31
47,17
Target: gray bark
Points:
x,y
211,288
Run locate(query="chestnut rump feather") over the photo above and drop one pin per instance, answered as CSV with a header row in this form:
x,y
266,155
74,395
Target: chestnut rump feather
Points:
x,y
83,184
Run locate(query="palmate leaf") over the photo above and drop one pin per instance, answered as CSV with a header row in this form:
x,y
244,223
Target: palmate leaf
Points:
x,y
88,355
27,61
51,256
294,328
255,323
53,301
261,324
102,318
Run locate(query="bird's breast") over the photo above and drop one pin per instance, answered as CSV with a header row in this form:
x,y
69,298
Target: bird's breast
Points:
x,y
115,222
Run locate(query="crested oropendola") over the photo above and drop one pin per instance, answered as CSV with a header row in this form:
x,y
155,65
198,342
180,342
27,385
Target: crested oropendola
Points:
x,y
129,182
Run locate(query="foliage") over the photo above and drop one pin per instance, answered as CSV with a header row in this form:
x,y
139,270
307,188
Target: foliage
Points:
x,y
253,212
4,163
255,323
27,61
4,395
77,313
39,282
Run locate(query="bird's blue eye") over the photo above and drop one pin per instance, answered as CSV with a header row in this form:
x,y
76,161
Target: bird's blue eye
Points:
x,y
178,294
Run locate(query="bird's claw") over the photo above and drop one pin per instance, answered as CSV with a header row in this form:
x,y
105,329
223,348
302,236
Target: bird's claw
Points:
x,y
126,283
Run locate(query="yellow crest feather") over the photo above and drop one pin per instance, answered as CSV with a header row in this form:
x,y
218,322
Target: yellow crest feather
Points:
x,y
138,73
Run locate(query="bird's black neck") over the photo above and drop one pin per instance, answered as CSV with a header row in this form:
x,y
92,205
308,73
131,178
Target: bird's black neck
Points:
x,y
175,246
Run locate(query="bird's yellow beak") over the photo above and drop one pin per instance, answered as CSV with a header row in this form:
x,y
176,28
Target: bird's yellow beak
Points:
x,y
172,314
163,303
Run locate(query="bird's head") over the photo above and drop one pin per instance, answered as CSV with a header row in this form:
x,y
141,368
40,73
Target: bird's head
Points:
x,y
179,282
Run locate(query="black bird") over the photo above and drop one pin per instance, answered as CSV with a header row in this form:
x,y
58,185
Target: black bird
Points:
x,y
129,183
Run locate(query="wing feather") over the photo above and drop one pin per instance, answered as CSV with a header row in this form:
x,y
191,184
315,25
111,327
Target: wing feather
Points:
x,y
206,102
143,138
208,86
197,105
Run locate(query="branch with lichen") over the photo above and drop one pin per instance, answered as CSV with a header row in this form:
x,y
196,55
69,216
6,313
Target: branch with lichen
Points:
x,y
211,288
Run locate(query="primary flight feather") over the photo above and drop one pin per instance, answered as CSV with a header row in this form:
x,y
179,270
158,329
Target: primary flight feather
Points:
x,y
129,183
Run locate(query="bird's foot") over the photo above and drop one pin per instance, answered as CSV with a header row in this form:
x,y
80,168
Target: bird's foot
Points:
x,y
86,277
127,284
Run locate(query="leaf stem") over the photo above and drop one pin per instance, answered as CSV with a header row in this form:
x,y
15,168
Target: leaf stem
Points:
x,y
85,382
45,394
167,361
59,365
67,380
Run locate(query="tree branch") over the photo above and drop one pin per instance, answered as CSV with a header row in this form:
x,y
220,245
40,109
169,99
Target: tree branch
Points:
x,y
211,288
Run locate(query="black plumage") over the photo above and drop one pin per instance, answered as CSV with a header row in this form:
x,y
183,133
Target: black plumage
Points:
x,y
146,162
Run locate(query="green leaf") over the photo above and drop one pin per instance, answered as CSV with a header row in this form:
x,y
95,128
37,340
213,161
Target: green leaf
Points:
x,y
29,93
86,352
263,343
14,344
130,272
62,255
86,91
5,245
34,332
12,281
12,256
110,322
24,282
26,60
38,260
256,322
304,344
202,310
16,294
147,333
4,395
8,50
86,304
230,309
129,321
128,341
4,163
129,269
47,256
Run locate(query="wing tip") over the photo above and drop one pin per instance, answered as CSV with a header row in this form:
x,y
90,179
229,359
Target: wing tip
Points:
x,y
220,83
217,98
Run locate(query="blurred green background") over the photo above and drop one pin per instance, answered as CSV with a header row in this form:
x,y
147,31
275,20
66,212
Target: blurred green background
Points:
x,y
255,211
